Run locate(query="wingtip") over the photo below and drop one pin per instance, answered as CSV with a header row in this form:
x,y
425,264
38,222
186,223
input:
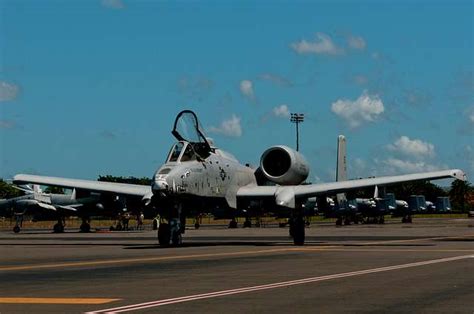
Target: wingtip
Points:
x,y
459,174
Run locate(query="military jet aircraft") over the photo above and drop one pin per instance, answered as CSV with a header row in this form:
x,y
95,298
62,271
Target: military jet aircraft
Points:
x,y
40,205
199,177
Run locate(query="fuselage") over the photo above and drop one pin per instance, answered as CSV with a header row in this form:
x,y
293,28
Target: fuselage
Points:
x,y
185,173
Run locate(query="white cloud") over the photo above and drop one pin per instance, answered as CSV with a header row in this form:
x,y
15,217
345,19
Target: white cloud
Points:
x,y
281,111
322,45
360,80
469,153
246,88
113,4
276,79
414,148
366,108
470,114
376,55
7,124
395,166
8,91
230,127
356,42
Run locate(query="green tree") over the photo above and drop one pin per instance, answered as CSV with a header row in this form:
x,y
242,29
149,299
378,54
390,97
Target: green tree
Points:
x,y
8,191
130,180
458,195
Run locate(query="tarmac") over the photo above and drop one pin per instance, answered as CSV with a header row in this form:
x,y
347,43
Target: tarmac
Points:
x,y
427,267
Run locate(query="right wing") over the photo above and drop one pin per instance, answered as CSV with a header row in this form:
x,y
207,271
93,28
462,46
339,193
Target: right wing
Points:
x,y
88,185
285,195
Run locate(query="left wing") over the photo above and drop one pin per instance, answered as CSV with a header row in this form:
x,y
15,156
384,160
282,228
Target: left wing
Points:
x,y
88,185
285,195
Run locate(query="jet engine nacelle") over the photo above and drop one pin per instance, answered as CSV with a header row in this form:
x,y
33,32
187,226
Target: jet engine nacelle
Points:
x,y
283,165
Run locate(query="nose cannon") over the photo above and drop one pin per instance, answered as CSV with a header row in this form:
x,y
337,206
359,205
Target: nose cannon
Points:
x,y
160,187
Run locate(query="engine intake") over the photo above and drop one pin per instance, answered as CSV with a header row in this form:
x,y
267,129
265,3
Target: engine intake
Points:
x,y
283,165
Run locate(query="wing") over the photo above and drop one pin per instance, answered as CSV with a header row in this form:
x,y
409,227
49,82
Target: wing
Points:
x,y
286,195
88,185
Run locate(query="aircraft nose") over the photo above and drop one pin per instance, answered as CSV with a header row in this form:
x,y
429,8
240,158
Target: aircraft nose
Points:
x,y
160,186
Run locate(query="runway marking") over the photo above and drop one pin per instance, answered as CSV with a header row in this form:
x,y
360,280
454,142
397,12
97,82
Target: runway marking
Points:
x,y
142,260
386,250
417,240
140,306
57,300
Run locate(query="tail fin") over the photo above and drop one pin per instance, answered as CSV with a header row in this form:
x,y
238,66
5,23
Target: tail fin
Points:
x,y
37,188
341,166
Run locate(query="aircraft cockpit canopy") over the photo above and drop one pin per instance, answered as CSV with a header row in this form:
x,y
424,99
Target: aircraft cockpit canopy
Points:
x,y
182,152
186,128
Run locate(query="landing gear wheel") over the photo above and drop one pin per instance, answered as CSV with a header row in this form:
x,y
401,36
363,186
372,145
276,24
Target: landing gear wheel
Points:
x,y
85,227
197,225
409,220
164,234
291,231
247,223
339,222
381,220
58,228
347,221
233,224
111,228
16,229
298,232
176,239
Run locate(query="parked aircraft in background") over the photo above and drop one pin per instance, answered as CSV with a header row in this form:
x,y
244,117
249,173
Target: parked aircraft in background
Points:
x,y
199,177
39,205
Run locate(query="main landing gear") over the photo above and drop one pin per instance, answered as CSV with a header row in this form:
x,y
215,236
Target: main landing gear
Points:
x,y
85,226
59,226
170,231
18,223
297,229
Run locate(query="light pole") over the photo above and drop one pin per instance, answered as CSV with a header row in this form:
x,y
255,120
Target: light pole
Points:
x,y
297,118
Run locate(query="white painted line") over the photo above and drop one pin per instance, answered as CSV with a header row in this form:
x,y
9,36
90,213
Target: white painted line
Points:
x,y
140,306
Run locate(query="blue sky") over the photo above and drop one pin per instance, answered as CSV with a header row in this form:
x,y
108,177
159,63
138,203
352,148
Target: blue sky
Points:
x,y
93,87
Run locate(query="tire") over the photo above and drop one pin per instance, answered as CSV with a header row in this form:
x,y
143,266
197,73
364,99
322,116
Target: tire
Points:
x,y
298,232
85,228
247,224
196,226
58,228
16,229
233,224
176,239
164,236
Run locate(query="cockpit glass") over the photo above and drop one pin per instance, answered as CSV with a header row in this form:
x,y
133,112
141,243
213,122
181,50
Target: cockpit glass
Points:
x,y
187,128
182,147
188,154
176,151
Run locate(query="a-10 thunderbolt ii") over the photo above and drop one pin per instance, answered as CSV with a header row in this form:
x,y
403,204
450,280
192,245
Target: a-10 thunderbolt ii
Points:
x,y
198,177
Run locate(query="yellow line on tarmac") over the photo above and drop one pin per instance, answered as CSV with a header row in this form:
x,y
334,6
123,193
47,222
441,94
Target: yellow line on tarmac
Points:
x,y
141,260
56,300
